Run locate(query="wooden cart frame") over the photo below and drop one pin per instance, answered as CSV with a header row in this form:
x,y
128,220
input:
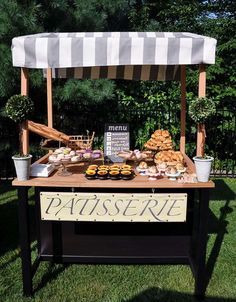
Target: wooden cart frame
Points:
x,y
192,239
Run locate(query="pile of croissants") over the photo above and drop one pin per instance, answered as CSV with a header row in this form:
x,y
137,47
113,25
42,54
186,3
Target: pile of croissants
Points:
x,y
160,140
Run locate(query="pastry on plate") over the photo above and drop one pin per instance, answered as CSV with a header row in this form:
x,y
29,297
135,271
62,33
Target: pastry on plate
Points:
x,y
142,165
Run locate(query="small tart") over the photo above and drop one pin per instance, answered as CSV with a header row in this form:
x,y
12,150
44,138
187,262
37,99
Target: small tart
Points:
x,y
90,172
126,167
102,172
102,167
114,172
126,172
92,167
114,167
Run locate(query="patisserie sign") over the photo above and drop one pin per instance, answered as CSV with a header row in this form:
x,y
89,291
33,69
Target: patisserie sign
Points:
x,y
116,139
122,207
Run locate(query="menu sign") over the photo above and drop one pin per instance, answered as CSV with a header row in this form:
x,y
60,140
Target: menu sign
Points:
x,y
116,139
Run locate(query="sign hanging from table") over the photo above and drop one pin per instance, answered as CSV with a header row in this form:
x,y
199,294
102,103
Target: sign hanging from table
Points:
x,y
119,207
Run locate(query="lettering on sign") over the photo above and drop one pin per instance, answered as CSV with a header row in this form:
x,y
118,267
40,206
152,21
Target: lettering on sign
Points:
x,y
160,207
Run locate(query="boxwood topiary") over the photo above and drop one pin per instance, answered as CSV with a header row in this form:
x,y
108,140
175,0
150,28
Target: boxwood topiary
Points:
x,y
200,109
19,108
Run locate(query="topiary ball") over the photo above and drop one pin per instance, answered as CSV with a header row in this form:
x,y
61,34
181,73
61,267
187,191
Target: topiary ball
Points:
x,y
19,108
200,109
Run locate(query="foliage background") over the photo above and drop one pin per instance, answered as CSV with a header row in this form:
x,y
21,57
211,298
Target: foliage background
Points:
x,y
81,105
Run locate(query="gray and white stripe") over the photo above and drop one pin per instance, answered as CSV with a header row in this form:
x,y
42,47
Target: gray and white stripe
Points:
x,y
126,72
70,50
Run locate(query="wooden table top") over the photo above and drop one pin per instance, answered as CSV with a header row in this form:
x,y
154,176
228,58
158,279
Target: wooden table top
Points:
x,y
78,180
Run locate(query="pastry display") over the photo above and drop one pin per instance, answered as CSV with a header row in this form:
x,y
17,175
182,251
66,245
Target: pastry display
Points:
x,y
142,168
180,167
152,173
160,140
162,167
188,178
136,155
171,170
65,154
172,173
113,172
171,157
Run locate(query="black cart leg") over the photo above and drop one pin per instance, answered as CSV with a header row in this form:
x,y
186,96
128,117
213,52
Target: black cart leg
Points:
x,y
200,275
24,230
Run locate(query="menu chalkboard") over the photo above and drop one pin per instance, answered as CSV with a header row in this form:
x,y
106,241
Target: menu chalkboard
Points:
x,y
116,139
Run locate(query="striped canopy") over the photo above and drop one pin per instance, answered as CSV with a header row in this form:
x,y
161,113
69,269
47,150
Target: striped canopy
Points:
x,y
128,55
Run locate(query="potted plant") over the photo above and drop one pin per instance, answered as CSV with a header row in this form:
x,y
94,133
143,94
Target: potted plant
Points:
x,y
200,110
18,108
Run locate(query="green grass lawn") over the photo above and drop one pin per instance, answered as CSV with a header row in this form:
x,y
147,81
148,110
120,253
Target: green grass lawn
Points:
x,y
116,283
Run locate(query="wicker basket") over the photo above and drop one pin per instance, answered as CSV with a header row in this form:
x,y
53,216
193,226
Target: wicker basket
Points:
x,y
75,142
81,141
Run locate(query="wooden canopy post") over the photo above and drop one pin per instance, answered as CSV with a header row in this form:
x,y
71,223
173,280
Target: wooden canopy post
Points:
x,y
49,98
201,127
24,91
183,108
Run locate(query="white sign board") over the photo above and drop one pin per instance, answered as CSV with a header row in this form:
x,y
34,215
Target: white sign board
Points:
x,y
113,207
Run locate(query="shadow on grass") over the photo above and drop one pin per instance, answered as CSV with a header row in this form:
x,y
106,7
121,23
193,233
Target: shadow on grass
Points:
x,y
52,272
159,295
6,186
218,225
9,241
9,235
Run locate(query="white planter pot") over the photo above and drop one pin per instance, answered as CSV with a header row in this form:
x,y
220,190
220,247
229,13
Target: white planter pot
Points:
x,y
203,168
22,166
